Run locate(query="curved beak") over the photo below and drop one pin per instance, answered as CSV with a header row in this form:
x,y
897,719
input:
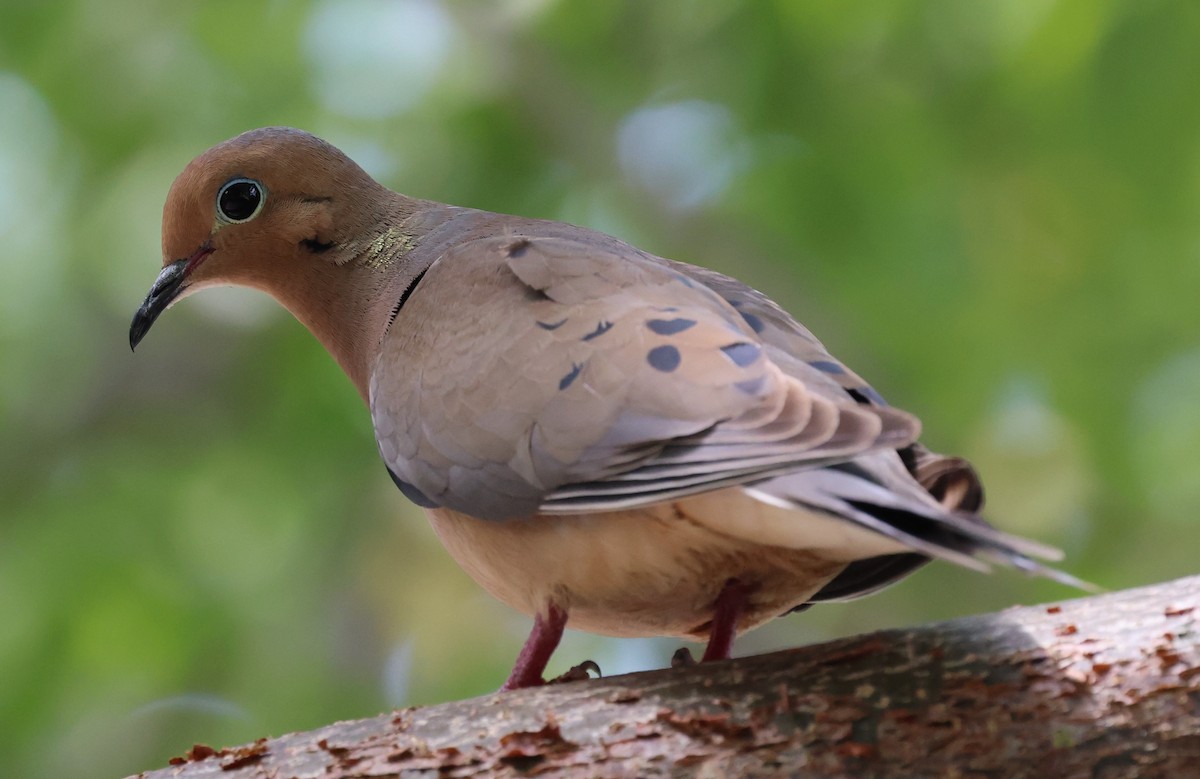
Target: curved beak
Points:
x,y
166,288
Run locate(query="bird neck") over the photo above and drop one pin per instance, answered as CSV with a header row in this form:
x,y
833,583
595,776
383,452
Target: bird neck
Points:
x,y
348,300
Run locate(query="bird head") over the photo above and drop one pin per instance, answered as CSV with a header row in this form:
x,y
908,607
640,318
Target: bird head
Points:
x,y
282,211
273,209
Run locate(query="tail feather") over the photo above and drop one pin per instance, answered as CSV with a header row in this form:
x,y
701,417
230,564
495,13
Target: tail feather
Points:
x,y
878,493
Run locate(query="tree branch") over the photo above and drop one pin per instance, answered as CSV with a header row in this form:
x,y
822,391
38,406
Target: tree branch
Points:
x,y
1106,686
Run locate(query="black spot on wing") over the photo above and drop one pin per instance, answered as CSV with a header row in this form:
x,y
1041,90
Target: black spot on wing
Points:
x,y
572,374
827,366
552,325
664,358
600,330
742,353
874,396
755,323
866,396
670,326
517,247
412,493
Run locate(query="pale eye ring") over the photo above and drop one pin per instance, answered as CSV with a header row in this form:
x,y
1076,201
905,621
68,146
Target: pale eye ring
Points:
x,y
240,200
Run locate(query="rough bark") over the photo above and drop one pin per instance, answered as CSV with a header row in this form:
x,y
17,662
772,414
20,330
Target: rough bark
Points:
x,y
1107,686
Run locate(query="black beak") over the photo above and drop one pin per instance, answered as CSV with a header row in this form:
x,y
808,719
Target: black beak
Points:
x,y
166,288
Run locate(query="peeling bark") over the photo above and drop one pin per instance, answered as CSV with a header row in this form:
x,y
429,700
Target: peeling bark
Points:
x,y
1106,687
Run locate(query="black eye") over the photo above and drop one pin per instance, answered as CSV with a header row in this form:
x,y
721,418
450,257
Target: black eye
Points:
x,y
240,200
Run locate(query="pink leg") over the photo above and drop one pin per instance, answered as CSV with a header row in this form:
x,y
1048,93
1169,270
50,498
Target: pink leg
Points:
x,y
543,639
726,613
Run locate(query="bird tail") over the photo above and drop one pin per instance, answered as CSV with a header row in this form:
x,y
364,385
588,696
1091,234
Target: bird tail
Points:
x,y
931,519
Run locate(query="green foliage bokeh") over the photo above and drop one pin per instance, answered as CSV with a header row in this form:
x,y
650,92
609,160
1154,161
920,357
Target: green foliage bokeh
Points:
x,y
990,210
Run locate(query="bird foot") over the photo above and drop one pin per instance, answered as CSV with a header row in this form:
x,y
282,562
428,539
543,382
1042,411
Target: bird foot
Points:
x,y
727,610
547,632
579,673
682,658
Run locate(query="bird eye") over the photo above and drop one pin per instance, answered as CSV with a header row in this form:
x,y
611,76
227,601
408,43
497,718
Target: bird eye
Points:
x,y
240,200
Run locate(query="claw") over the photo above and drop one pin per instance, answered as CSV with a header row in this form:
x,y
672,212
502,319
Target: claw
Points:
x,y
682,658
579,673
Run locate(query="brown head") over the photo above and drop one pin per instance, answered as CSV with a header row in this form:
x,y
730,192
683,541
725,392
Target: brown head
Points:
x,y
282,211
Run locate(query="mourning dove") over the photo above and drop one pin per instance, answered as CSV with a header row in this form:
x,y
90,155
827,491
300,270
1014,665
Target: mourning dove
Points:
x,y
603,439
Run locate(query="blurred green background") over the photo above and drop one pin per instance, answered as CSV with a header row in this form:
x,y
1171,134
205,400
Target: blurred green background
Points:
x,y
989,209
